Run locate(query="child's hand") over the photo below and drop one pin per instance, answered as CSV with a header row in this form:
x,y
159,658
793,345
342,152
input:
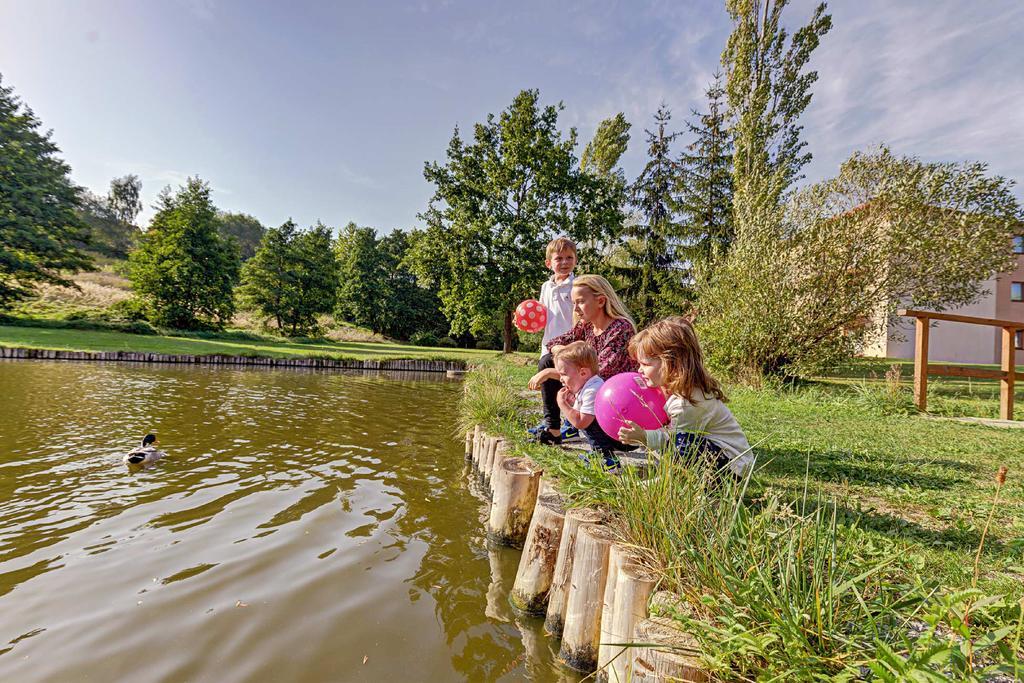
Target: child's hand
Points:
x,y
566,398
632,433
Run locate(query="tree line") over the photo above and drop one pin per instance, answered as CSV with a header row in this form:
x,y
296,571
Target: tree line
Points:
x,y
779,278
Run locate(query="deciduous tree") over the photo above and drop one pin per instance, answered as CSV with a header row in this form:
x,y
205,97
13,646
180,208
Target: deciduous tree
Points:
x,y
292,277
124,198
498,199
768,88
244,229
798,294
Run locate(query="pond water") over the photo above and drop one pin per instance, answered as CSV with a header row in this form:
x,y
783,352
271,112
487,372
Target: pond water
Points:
x,y
304,526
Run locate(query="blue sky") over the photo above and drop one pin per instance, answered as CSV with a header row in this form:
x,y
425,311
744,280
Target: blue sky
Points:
x,y
327,111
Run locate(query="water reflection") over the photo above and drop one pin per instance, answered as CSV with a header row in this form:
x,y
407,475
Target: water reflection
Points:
x,y
301,521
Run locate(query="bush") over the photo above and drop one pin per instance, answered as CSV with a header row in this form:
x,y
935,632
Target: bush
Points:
x,y
530,343
447,343
423,338
131,310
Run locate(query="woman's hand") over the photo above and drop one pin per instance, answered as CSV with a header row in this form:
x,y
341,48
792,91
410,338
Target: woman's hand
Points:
x,y
540,378
633,433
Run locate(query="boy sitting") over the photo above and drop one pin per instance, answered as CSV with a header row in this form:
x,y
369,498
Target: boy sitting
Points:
x,y
577,366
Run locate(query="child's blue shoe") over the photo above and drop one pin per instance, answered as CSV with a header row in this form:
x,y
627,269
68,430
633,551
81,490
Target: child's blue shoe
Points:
x,y
537,429
568,431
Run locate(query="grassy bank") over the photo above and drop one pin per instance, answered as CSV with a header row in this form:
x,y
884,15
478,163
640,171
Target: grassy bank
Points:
x,y
234,344
869,543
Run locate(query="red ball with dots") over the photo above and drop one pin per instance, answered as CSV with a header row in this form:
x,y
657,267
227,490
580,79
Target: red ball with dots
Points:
x,y
531,316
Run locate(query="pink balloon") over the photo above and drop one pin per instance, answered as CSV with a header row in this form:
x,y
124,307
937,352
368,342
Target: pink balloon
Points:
x,y
627,397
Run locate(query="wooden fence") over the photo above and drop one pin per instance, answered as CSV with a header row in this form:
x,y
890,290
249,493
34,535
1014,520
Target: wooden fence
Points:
x,y
922,368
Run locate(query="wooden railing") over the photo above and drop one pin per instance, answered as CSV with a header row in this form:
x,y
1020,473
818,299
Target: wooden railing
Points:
x,y
922,368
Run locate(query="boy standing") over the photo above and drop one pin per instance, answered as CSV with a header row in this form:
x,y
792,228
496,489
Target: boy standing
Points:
x,y
556,296
577,365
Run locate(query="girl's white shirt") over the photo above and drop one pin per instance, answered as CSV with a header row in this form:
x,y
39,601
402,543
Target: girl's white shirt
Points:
x,y
557,298
710,418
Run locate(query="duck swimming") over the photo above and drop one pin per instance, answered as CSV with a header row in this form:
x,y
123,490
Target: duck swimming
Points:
x,y
146,454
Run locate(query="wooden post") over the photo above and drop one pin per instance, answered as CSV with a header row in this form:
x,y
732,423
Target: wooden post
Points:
x,y
540,552
633,586
476,444
487,462
921,363
1009,368
618,555
582,632
469,445
650,663
559,593
515,495
500,455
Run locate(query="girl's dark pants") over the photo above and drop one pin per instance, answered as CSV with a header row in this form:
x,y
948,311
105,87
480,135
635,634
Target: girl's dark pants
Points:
x,y
549,393
692,447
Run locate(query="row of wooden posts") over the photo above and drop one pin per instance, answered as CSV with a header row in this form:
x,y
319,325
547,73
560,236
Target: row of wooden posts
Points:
x,y
592,591
410,365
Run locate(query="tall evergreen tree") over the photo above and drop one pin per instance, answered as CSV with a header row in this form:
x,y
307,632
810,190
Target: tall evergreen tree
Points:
x,y
40,232
705,191
183,270
767,90
363,280
646,268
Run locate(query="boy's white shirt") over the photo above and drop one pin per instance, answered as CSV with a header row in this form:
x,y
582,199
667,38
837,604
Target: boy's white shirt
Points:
x,y
587,395
710,418
557,298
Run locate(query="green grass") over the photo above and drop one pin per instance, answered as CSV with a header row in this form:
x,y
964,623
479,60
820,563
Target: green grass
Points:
x,y
867,500
236,344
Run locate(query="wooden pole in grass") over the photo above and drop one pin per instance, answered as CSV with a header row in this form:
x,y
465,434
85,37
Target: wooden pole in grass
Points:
x,y
559,593
633,586
650,662
469,445
582,632
540,552
515,495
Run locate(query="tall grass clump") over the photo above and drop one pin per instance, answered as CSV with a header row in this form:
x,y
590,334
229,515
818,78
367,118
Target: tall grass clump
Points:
x,y
489,398
775,589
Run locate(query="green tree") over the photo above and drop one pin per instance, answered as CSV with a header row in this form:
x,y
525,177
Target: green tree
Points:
x,y
40,231
602,154
363,289
409,307
244,229
183,270
705,190
498,200
109,235
796,295
646,267
292,277
767,89
124,198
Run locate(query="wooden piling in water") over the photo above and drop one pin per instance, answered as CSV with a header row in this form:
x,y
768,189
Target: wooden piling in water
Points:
x,y
515,495
469,446
559,593
582,631
476,445
500,455
487,463
632,585
650,662
540,552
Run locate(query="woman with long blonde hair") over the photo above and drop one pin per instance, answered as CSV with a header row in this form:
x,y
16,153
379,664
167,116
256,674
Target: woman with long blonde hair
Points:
x,y
603,322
